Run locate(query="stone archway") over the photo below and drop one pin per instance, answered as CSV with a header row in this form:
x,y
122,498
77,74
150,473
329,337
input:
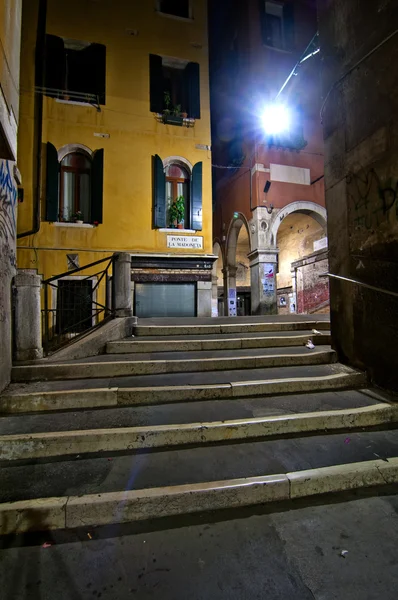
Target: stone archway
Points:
x,y
238,226
217,278
316,211
298,229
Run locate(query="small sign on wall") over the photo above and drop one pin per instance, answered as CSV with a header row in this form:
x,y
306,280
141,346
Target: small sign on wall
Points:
x,y
320,244
232,302
185,241
268,281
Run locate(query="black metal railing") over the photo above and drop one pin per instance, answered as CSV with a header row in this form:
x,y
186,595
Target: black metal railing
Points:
x,y
74,305
70,96
361,284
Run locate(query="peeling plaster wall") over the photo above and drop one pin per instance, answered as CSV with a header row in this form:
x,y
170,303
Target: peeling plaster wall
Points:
x,y
296,236
312,290
360,120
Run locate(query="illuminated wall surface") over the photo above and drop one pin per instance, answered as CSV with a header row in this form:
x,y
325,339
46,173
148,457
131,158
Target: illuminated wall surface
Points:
x,y
125,128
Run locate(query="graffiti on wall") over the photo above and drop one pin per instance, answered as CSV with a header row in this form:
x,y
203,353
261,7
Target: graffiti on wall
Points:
x,y
8,202
373,201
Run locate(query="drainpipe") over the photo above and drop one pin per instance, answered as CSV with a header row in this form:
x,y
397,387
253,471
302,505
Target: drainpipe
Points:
x,y
38,115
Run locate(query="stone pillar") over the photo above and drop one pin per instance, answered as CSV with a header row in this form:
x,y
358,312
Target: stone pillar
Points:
x,y
230,291
122,283
27,317
214,296
204,299
263,281
293,271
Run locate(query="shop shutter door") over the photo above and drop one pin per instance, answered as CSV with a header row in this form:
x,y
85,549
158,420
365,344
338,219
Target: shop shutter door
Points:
x,y
165,300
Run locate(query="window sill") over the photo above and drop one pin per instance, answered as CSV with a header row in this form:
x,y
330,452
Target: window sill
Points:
x,y
175,17
84,225
176,231
181,122
74,102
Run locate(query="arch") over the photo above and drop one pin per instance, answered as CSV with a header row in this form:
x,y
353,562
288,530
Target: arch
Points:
x,y
312,209
69,148
217,251
232,238
178,160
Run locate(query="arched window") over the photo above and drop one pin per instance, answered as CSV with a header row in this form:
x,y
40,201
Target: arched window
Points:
x,y
177,193
75,188
173,179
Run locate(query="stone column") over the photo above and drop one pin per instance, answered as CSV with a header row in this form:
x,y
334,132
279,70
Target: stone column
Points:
x,y
27,316
294,287
203,299
122,283
214,296
230,291
263,281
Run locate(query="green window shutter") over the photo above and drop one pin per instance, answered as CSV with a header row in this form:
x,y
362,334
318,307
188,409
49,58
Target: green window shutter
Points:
x,y
159,193
192,90
94,70
196,197
156,91
97,186
86,71
55,65
52,185
288,25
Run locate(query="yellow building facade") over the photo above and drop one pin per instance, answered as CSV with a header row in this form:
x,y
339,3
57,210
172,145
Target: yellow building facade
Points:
x,y
114,145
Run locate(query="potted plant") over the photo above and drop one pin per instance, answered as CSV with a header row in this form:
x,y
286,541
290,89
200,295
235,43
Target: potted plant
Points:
x,y
167,103
177,213
171,115
77,217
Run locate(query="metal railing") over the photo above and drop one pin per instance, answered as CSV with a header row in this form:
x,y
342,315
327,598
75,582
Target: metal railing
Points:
x,y
70,96
76,304
361,283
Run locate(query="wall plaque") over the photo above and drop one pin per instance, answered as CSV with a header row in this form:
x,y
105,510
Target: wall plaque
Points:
x,y
185,241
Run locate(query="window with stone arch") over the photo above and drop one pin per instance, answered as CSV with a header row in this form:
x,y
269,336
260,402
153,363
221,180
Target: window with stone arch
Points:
x,y
175,178
177,188
74,184
75,187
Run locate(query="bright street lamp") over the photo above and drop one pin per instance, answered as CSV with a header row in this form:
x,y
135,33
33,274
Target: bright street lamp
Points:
x,y
276,119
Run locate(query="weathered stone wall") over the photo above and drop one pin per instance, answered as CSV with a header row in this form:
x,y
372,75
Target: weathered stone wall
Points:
x,y
296,236
360,120
8,201
312,289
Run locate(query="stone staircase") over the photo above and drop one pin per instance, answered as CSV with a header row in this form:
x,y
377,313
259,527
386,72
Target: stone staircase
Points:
x,y
189,416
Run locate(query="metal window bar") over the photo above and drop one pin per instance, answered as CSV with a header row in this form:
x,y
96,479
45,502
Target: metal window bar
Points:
x,y
79,307
92,99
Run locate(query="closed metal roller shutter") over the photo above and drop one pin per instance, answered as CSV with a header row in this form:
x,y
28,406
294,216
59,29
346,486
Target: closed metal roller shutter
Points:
x,y
165,300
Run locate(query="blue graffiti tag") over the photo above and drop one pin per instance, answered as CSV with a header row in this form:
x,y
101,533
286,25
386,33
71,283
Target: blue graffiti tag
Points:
x,y
8,201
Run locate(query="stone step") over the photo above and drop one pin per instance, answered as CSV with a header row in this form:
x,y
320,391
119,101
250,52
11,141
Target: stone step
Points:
x,y
249,327
178,387
188,343
120,368
111,472
32,446
290,318
69,512
188,412
196,354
